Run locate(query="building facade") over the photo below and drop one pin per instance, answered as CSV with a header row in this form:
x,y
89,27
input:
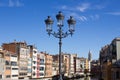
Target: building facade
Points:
x,y
34,52
14,66
109,56
2,65
73,63
7,73
48,65
55,65
42,65
78,66
20,48
66,64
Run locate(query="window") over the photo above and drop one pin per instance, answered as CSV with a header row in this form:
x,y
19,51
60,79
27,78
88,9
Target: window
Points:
x,y
22,74
14,63
42,60
7,76
34,62
42,63
35,51
8,68
34,67
41,74
14,75
7,62
14,68
34,74
29,70
41,68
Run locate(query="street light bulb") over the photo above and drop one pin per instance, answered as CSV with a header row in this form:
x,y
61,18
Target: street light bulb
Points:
x,y
60,18
71,23
49,23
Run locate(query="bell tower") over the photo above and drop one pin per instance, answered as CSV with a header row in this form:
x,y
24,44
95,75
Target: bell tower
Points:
x,y
90,56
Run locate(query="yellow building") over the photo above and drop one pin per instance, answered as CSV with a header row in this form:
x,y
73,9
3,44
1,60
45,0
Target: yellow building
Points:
x,y
86,65
7,66
48,66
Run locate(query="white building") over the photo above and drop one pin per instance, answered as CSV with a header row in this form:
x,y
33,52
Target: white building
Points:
x,y
78,66
42,65
2,64
72,63
14,66
23,62
33,53
29,64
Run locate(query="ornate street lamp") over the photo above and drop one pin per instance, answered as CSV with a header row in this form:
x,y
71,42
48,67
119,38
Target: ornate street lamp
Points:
x,y
60,34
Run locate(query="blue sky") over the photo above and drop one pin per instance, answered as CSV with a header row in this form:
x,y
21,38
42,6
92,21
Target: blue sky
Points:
x,y
98,22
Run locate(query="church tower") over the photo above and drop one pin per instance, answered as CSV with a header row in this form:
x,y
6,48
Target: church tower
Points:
x,y
89,56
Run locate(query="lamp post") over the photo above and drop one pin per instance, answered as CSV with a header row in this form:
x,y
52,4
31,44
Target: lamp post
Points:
x,y
60,34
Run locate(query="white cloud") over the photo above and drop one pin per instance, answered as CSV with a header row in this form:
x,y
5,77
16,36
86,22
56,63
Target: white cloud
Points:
x,y
94,17
77,11
11,3
15,3
114,13
83,7
77,16
82,18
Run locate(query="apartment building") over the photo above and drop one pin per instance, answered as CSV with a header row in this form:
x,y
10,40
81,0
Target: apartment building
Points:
x,y
48,66
2,65
38,66
66,64
29,64
20,48
115,58
42,65
115,50
109,60
73,63
86,65
55,65
82,65
14,66
78,65
33,55
105,63
7,74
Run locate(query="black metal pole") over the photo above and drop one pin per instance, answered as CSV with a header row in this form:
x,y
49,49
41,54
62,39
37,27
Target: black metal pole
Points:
x,y
60,55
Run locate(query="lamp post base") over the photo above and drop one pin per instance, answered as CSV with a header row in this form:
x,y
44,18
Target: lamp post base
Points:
x,y
60,78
